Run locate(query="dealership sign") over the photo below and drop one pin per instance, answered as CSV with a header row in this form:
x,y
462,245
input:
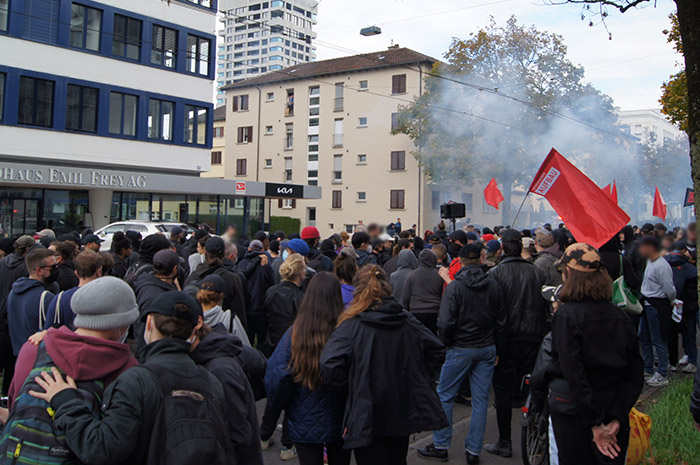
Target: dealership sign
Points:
x,y
291,191
73,177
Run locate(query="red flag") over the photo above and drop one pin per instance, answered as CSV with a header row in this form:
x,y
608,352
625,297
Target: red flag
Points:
x,y
589,213
606,189
659,206
613,193
492,194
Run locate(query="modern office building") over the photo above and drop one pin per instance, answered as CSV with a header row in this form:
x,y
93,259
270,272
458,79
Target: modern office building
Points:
x,y
106,115
256,37
649,125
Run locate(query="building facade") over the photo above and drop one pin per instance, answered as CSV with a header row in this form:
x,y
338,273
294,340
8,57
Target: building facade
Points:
x,y
649,126
260,36
106,115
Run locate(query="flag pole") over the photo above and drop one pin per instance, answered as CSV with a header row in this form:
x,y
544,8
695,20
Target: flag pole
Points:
x,y
522,204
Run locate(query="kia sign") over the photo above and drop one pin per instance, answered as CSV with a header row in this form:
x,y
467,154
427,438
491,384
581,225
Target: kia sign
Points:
x,y
289,191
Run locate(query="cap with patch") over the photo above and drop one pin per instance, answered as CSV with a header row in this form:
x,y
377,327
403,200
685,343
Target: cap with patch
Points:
x,y
471,252
92,239
215,245
214,283
165,304
581,257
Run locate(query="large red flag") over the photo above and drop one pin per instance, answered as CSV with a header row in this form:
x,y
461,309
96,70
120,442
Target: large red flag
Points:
x,y
659,209
588,211
613,193
492,194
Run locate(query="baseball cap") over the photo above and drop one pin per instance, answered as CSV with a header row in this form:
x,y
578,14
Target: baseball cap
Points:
x,y
214,283
528,242
298,246
581,257
164,304
256,245
176,230
46,233
511,235
434,238
215,245
260,236
493,246
459,235
165,260
471,236
92,239
647,228
310,232
471,252
488,237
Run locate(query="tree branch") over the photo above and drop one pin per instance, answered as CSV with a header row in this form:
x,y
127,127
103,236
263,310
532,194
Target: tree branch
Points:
x,y
622,5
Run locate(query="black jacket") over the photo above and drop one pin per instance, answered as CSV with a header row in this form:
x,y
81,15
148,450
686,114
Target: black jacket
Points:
x,y
365,258
422,290
147,287
259,277
12,268
521,283
318,261
595,349
219,352
611,262
387,359
234,294
119,268
472,314
685,279
545,262
129,409
67,279
281,304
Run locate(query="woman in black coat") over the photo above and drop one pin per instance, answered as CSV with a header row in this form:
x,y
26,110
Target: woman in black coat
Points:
x,y
386,359
595,349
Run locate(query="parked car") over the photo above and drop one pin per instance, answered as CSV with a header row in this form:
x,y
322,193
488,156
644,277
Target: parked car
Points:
x,y
146,228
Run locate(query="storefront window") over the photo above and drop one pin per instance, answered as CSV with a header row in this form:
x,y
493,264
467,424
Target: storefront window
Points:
x,y
64,210
166,207
135,206
256,215
232,210
208,210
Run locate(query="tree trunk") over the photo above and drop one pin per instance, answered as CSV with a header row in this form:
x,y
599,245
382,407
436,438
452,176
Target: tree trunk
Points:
x,y
688,21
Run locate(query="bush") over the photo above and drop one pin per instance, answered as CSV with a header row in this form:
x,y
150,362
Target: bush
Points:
x,y
285,223
674,439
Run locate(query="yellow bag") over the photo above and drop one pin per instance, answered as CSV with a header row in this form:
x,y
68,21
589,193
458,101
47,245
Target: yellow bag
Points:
x,y
640,430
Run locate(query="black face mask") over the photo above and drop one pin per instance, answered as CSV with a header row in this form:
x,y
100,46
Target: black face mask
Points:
x,y
52,277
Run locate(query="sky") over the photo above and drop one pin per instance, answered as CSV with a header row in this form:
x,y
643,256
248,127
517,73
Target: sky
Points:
x,y
630,68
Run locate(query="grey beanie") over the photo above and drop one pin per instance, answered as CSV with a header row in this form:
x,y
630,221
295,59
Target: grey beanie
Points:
x,y
103,304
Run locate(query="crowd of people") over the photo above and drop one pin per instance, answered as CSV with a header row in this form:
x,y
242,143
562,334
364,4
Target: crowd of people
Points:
x,y
157,350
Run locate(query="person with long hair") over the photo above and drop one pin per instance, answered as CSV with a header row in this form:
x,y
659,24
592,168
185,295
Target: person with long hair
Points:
x,y
595,349
387,358
293,379
345,269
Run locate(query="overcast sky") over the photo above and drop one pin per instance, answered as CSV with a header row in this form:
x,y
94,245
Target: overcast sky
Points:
x,y
630,67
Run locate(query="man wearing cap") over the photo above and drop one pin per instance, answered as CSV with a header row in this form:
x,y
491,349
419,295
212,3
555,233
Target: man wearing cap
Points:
x,y
548,254
92,242
176,235
526,326
471,323
317,260
132,404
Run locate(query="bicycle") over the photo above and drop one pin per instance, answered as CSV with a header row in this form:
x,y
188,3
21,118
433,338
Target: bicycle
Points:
x,y
534,440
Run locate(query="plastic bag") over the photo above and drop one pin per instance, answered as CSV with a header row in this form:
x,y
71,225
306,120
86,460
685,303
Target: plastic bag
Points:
x,y
640,431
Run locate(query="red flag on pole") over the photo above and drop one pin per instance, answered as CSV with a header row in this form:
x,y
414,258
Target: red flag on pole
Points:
x,y
588,212
613,193
492,194
659,209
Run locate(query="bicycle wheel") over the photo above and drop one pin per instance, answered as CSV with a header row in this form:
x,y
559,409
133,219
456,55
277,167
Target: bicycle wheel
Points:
x,y
534,440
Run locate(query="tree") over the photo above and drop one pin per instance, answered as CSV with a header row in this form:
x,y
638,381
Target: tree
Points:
x,y
506,95
674,100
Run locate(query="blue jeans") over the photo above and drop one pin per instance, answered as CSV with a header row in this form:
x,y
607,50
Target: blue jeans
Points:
x,y
651,336
478,364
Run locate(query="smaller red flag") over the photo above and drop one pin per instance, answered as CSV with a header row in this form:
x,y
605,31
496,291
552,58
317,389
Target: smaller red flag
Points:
x,y
659,209
492,194
613,193
606,189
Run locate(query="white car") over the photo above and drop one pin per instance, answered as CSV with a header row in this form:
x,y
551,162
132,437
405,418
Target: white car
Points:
x,y
146,228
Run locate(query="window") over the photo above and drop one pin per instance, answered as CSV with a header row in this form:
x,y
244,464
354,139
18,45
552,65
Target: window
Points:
x,y
362,196
126,42
4,7
241,167
219,132
288,169
270,97
362,159
397,199
337,201
268,130
40,20
85,25
362,121
467,200
245,134
164,46
2,93
81,108
398,84
313,122
435,200
287,203
398,161
288,136
337,168
216,158
486,208
314,101
338,133
394,121
36,102
268,163
160,119
195,125
364,85
338,101
122,113
240,102
314,91
289,107
197,54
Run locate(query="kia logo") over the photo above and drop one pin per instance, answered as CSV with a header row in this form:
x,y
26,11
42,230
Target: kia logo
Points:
x,y
284,190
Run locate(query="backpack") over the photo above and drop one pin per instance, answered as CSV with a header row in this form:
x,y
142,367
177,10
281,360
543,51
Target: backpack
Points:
x,y
134,271
29,436
57,311
190,426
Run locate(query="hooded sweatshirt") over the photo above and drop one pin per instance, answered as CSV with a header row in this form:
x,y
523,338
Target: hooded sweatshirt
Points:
x,y
23,310
422,290
407,263
147,287
83,358
12,268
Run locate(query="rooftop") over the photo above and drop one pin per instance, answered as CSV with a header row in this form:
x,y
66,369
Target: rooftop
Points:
x,y
220,113
367,61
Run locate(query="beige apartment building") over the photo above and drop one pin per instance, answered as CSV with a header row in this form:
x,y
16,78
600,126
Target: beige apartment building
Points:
x,y
329,124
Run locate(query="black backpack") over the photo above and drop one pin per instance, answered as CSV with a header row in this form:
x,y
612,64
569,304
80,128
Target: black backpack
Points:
x,y
134,271
190,427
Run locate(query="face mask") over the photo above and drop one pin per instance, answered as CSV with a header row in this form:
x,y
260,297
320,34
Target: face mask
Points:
x,y
52,277
285,254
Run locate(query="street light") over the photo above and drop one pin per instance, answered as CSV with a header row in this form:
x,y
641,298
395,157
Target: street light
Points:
x,y
370,31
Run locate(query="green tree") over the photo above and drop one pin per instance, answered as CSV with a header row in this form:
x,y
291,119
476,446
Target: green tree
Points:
x,y
674,99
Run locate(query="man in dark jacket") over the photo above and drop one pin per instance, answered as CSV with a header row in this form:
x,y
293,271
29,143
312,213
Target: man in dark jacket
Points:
x,y
149,247
422,290
29,295
471,323
317,261
361,242
392,265
12,268
128,426
521,284
66,268
548,254
685,279
257,270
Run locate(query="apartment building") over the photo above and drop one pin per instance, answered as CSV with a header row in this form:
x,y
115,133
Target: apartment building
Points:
x,y
649,125
260,36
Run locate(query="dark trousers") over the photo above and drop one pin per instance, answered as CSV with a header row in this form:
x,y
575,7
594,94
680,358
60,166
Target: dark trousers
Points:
x,y
517,360
269,423
383,451
429,320
257,326
575,442
7,360
312,454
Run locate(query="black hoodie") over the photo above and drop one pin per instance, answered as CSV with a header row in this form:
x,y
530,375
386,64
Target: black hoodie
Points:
x,y
387,357
473,312
423,287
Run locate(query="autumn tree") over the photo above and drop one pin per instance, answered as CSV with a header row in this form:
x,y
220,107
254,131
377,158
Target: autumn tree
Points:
x,y
674,99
